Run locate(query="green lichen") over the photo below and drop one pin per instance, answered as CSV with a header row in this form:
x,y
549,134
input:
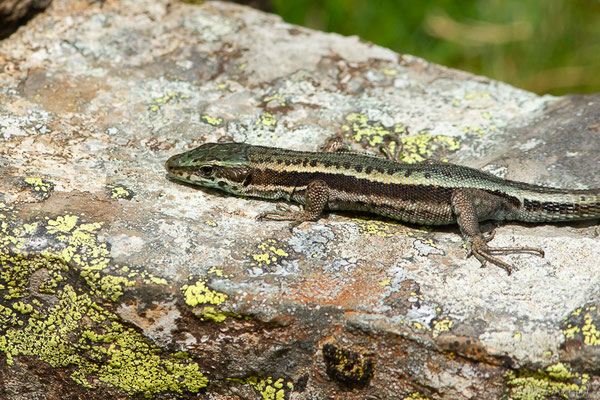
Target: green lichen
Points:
x,y
415,396
352,368
373,132
120,192
113,286
148,279
203,298
218,272
583,324
277,97
440,326
42,188
370,227
23,308
477,95
266,119
170,97
210,314
386,282
78,333
475,130
199,293
270,251
72,330
214,121
8,317
555,380
271,389
415,148
145,276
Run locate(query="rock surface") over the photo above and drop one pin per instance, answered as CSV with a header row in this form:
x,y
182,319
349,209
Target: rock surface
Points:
x,y
118,283
14,13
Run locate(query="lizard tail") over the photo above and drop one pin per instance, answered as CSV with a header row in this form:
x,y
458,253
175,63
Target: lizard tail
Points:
x,y
559,205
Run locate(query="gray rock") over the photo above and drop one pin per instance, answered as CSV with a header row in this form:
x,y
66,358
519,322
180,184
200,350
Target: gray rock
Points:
x,y
118,283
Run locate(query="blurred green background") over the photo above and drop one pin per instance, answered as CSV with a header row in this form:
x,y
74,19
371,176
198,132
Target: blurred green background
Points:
x,y
545,46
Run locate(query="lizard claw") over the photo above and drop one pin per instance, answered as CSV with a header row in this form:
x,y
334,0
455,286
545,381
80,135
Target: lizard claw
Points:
x,y
283,212
485,253
490,235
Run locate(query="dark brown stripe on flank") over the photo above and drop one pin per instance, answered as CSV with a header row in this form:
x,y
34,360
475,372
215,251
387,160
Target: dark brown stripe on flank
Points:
x,y
351,184
431,194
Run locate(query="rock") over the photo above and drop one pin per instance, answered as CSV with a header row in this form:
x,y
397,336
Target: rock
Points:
x,y
116,282
13,13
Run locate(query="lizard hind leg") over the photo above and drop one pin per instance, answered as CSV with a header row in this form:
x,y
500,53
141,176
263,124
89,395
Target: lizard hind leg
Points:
x,y
472,205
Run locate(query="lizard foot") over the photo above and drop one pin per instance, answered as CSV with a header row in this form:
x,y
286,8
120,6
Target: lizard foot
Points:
x,y
485,253
285,212
488,238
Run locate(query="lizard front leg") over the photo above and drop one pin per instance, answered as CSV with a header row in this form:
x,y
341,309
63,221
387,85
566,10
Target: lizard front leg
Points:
x,y
472,205
315,200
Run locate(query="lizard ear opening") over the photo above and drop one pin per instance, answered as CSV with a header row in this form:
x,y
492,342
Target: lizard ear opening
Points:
x,y
206,171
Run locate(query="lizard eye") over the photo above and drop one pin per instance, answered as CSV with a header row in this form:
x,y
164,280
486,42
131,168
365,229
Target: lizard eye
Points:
x,y
206,171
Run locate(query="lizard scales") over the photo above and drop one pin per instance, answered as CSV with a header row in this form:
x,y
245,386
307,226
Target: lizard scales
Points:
x,y
428,193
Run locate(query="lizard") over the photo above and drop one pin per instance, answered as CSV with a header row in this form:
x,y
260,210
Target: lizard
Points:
x,y
425,193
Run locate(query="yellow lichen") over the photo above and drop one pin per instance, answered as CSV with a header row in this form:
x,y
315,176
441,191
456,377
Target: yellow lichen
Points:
x,y
169,97
62,224
477,95
266,119
218,272
415,396
277,97
415,148
272,251
270,389
74,332
555,380
385,282
41,187
440,326
209,313
214,121
199,293
583,322
64,337
119,192
369,227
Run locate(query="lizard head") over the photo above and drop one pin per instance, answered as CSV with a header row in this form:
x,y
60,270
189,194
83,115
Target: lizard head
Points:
x,y
219,165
